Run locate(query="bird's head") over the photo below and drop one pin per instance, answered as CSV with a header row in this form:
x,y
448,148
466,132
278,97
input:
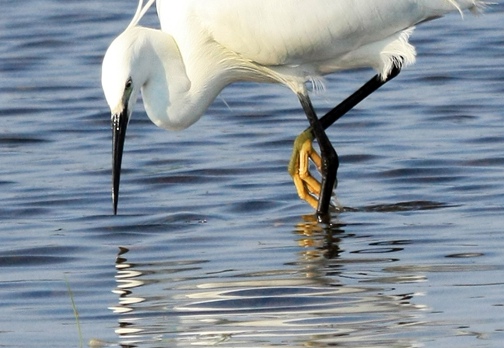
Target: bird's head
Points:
x,y
122,79
147,60
122,73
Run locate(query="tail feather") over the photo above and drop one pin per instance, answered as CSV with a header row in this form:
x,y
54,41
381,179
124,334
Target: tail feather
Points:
x,y
475,6
440,7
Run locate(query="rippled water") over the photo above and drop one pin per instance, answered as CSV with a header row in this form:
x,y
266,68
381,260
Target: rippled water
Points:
x,y
211,245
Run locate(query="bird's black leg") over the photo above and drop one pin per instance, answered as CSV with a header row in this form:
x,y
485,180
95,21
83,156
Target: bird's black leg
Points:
x,y
317,128
362,93
329,157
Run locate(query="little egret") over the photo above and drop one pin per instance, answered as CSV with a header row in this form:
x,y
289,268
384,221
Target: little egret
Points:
x,y
205,45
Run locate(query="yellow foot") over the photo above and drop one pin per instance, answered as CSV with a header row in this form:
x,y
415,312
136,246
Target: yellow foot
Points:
x,y
307,186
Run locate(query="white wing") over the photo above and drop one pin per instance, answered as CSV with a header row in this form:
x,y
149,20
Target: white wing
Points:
x,y
279,32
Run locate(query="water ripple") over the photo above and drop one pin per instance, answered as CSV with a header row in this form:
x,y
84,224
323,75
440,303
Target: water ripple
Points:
x,y
215,248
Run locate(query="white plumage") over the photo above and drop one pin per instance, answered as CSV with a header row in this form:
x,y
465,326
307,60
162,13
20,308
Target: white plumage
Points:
x,y
205,45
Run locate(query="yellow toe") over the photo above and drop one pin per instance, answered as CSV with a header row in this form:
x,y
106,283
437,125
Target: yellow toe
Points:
x,y
308,188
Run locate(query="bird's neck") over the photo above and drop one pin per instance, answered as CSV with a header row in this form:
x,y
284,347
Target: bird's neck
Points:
x,y
178,88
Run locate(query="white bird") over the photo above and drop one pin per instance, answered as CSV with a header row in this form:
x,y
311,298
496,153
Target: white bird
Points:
x,y
205,45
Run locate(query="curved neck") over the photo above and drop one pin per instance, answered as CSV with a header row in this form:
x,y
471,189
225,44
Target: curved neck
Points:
x,y
176,93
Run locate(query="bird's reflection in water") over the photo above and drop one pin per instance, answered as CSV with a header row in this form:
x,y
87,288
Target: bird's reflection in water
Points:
x,y
311,302
127,279
322,240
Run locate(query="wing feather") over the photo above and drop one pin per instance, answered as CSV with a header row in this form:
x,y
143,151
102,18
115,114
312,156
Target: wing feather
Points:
x,y
292,32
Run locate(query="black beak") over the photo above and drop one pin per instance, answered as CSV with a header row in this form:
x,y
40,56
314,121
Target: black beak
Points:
x,y
119,125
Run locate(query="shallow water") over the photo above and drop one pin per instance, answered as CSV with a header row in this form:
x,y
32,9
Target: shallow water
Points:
x,y
211,245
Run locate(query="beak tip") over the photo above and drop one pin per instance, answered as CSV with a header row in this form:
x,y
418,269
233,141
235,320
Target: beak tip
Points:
x,y
115,201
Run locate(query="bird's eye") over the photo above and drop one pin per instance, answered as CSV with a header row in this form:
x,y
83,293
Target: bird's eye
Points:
x,y
129,83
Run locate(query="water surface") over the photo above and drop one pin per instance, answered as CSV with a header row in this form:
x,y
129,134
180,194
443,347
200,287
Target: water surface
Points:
x,y
211,245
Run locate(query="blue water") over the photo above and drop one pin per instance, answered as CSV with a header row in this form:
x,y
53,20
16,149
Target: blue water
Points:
x,y
211,245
